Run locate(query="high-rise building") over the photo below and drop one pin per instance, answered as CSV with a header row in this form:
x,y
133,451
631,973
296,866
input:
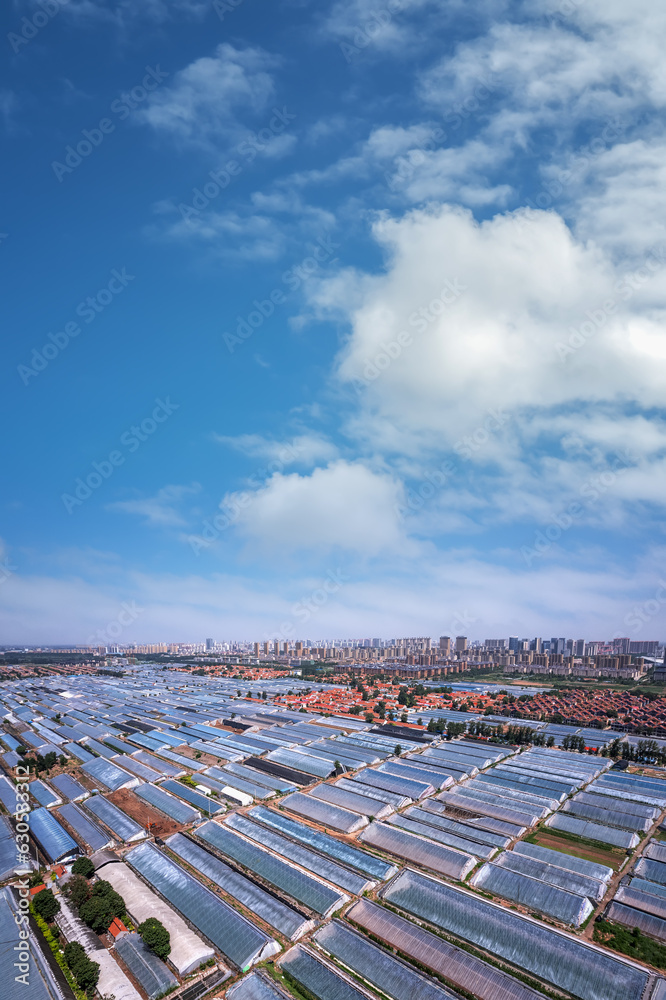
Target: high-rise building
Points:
x,y
513,643
267,648
461,643
495,643
558,646
209,644
445,645
578,647
536,645
256,649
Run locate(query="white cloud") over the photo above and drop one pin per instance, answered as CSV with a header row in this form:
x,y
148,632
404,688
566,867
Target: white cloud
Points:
x,y
303,449
345,506
159,511
200,107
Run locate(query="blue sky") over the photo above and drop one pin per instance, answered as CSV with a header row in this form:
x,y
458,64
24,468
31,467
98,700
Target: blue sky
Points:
x,y
354,299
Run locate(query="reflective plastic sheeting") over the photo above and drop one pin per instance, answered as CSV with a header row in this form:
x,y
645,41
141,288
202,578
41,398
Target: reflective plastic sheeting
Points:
x,y
167,804
412,825
574,882
581,865
119,823
417,850
324,813
593,831
318,978
530,892
558,958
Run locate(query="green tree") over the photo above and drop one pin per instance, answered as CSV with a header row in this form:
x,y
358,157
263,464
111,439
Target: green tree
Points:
x,y
46,905
83,866
77,891
83,969
155,936
397,750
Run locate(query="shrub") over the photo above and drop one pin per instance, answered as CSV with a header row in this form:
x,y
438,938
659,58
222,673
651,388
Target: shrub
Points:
x,y
46,904
155,936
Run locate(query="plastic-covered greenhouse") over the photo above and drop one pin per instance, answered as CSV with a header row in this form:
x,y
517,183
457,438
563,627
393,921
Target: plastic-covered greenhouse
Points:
x,y
511,796
205,803
90,833
603,801
108,774
412,825
272,911
352,801
633,895
459,967
119,823
498,826
647,923
233,935
481,807
567,907
52,838
251,773
256,986
149,971
654,871
434,776
322,812
415,849
163,766
593,831
547,790
140,769
325,844
608,817
302,762
458,827
69,787
303,856
167,804
392,783
652,888
320,898
368,792
44,795
581,885
656,852
558,958
377,966
319,979
581,865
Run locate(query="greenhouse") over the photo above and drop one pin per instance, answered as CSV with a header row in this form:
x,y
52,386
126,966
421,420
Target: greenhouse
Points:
x,y
418,851
610,802
315,863
412,825
609,817
461,799
252,788
513,797
377,966
322,812
268,908
100,749
581,865
74,750
458,827
108,774
122,826
568,907
149,971
656,852
188,950
69,788
653,871
647,923
43,794
51,838
435,777
498,826
167,804
324,844
459,967
581,885
140,769
318,897
392,783
256,986
205,803
251,773
368,792
438,768
164,768
652,888
234,936
88,832
558,958
592,831
318,977
632,895
301,762
550,790
352,801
